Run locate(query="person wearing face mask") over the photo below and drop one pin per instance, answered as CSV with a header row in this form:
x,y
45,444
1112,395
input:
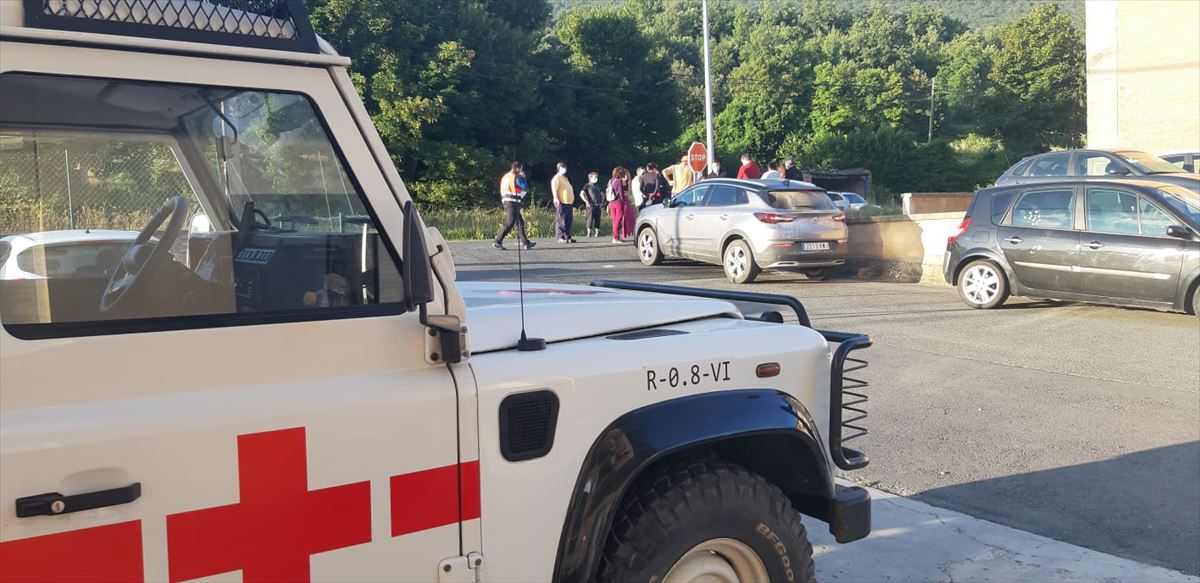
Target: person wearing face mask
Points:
x,y
714,171
635,186
593,200
564,204
749,170
790,171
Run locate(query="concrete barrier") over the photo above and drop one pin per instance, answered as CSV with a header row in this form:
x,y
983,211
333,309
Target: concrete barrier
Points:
x,y
900,248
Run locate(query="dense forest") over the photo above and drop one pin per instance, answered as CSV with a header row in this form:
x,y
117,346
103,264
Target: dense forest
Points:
x,y
458,88
973,13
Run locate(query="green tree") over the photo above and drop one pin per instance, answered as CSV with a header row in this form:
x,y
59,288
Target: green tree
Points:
x,y
1039,92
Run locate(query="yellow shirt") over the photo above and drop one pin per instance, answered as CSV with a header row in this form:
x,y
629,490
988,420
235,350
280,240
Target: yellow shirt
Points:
x,y
682,176
561,187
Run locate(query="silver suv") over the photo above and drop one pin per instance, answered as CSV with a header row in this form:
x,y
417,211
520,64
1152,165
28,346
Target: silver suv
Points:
x,y
747,226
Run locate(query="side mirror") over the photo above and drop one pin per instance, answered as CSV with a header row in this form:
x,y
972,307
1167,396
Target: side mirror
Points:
x,y
1180,232
417,273
1114,170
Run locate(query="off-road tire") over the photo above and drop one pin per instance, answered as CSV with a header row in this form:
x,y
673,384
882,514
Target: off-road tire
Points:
x,y
997,293
817,274
681,505
652,255
750,269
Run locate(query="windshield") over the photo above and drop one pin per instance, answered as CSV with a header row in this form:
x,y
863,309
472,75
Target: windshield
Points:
x,y
1182,200
799,200
854,198
1147,163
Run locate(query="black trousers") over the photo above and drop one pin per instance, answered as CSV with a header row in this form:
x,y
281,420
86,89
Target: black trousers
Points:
x,y
512,217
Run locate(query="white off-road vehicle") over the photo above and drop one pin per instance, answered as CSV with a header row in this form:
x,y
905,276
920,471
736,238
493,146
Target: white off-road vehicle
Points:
x,y
279,379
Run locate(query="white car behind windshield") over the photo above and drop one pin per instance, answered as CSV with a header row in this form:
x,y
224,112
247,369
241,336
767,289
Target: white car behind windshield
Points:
x,y
66,254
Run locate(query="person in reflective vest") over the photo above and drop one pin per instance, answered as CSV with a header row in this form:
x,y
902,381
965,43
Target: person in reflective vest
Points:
x,y
513,188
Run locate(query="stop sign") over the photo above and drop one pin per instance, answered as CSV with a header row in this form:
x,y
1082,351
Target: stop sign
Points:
x,y
698,156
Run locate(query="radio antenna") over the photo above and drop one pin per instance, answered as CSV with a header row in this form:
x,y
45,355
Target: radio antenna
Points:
x,y
525,344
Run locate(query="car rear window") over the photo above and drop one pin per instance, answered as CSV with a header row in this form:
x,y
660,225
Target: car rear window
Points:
x,y
1045,209
1000,204
1022,167
798,200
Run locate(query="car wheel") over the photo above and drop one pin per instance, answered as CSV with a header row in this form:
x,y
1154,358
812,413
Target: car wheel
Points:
x,y
739,263
1196,301
648,250
679,523
982,285
817,274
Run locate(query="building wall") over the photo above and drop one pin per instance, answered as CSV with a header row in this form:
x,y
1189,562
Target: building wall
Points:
x,y
1143,74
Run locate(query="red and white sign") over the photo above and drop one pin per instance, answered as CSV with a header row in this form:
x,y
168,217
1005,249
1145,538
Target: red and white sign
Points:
x,y
698,157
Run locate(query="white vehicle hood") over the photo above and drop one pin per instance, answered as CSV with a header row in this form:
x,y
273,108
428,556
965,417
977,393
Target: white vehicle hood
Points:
x,y
565,312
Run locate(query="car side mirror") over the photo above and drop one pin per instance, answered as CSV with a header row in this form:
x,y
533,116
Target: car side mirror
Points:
x,y
1117,171
417,272
1180,232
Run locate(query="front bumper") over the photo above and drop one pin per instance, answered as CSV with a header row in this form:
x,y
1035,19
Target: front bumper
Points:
x,y
849,515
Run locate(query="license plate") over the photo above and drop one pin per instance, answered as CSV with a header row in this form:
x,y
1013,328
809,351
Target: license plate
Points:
x,y
696,374
822,246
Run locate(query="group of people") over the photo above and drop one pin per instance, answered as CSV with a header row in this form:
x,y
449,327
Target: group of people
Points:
x,y
620,196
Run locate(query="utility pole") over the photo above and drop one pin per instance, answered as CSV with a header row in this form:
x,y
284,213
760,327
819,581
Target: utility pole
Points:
x,y
708,123
932,87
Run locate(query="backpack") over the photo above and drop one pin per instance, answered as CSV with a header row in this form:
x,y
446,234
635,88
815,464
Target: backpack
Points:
x,y
609,195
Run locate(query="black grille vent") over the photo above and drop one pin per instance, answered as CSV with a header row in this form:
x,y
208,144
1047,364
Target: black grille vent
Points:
x,y
281,24
527,423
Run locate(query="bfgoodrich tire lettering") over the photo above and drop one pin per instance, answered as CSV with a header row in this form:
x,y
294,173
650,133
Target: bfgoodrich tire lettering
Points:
x,y
680,506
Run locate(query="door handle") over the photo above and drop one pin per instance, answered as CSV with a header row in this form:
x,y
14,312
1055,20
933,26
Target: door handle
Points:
x,y
1013,240
1093,245
689,217
53,503
723,217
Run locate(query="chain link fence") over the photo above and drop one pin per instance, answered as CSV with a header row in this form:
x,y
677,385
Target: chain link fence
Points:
x,y
55,184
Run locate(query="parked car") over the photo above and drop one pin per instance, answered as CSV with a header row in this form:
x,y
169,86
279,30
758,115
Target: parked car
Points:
x,y
1096,165
1189,161
847,201
1125,242
747,226
62,254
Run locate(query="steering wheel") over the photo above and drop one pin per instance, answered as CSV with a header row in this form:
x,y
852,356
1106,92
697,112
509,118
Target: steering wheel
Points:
x,y
141,257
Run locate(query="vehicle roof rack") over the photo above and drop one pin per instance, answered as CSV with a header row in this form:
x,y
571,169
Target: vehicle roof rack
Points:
x,y
263,24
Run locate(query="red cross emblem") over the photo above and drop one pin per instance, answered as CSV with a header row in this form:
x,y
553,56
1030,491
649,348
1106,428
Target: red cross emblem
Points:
x,y
269,534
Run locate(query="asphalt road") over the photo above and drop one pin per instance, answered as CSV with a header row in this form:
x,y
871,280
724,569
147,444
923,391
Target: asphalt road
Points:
x,y
1077,422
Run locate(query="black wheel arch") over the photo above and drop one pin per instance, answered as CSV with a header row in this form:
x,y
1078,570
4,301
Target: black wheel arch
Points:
x,y
987,255
755,428
730,237
1187,291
